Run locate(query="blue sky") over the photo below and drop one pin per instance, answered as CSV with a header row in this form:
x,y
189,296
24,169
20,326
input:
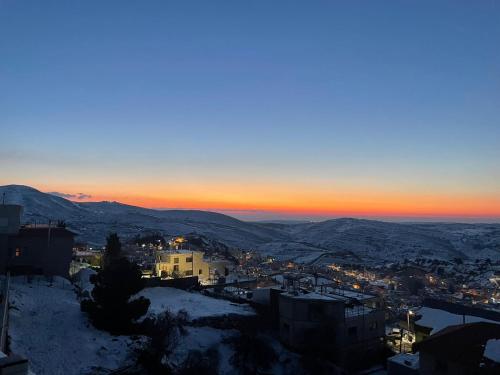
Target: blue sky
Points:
x,y
319,97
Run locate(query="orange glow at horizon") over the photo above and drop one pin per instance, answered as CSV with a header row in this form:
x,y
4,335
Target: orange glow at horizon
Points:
x,y
304,202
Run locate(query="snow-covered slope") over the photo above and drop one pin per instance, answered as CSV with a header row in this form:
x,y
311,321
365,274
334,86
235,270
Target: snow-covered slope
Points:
x,y
376,238
39,206
199,306
305,242
94,220
47,326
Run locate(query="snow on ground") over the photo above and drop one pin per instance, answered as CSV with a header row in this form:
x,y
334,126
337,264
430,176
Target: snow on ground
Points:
x,y
492,350
203,338
439,319
197,305
47,326
82,279
406,359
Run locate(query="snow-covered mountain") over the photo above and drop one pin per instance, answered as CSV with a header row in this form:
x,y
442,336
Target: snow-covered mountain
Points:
x,y
307,242
388,240
94,220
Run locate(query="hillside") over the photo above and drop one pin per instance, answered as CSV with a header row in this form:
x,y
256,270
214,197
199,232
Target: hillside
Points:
x,y
94,220
364,240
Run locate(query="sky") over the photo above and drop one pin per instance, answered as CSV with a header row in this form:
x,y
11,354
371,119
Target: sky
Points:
x,y
260,109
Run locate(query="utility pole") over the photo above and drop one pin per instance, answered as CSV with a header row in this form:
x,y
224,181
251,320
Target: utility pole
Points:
x,y
48,239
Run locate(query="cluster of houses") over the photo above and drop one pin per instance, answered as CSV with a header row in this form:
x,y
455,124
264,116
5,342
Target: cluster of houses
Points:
x,y
351,324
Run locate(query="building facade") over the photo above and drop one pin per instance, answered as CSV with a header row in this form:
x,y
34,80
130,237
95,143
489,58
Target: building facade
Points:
x,y
42,249
343,323
185,263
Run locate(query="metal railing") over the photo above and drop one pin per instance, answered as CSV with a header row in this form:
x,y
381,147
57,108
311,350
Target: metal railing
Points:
x,y
4,312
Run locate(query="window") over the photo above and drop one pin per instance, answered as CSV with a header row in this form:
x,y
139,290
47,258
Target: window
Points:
x,y
200,272
18,251
373,326
189,273
352,331
189,259
176,268
176,260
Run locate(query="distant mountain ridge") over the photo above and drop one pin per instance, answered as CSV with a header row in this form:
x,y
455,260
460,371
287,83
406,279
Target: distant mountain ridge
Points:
x,y
305,242
93,220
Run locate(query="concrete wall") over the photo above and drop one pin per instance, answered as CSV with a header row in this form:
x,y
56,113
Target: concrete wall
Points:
x,y
182,283
10,218
4,252
430,365
365,328
299,317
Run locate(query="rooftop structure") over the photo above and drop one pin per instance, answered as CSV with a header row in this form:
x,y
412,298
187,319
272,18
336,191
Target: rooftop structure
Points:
x,y
355,320
459,349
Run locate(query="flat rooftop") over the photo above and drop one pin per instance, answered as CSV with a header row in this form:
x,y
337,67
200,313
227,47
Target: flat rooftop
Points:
x,y
173,252
344,296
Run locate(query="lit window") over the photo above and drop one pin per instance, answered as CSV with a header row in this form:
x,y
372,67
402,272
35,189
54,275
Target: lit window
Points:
x,y
18,251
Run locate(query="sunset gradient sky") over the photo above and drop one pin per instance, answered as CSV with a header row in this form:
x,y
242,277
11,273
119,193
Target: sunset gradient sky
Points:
x,y
260,109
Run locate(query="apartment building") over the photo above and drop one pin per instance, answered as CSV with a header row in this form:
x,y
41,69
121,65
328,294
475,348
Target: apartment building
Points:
x,y
347,322
185,263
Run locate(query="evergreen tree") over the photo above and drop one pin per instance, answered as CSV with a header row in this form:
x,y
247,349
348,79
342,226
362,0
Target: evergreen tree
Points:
x,y
110,307
113,249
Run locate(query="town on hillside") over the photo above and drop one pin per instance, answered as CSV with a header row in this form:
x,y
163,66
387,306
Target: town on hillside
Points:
x,y
184,304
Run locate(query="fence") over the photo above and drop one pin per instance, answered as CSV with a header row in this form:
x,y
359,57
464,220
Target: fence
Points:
x,y
4,312
180,283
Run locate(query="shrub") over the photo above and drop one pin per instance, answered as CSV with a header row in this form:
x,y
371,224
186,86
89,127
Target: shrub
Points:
x,y
251,353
